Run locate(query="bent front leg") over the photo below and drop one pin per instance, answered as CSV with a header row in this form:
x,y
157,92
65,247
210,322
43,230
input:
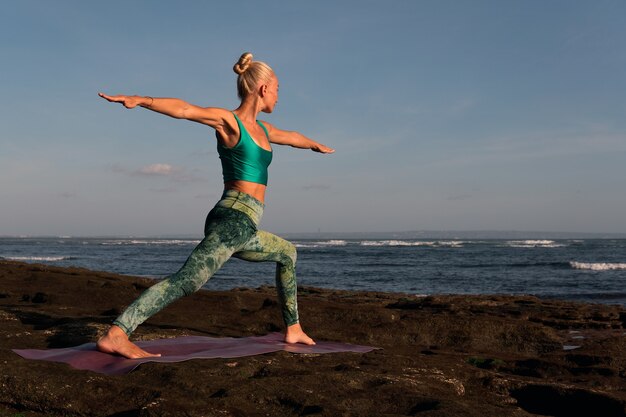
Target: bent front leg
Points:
x,y
266,247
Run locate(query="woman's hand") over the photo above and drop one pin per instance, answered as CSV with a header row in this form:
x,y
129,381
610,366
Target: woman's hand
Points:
x,y
295,139
318,147
128,101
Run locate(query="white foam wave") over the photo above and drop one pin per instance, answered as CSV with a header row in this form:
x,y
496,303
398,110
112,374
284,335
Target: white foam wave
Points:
x,y
333,243
598,266
152,242
394,243
449,243
306,245
37,258
320,244
534,244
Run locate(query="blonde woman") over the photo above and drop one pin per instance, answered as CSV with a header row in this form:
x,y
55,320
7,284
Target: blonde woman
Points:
x,y
244,145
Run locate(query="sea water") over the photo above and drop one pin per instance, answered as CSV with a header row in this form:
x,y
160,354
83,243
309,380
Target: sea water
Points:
x,y
592,270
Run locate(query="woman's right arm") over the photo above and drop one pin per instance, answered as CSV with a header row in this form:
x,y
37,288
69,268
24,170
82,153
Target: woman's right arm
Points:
x,y
173,107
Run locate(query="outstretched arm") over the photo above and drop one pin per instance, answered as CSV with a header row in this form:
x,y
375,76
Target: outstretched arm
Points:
x,y
295,139
172,107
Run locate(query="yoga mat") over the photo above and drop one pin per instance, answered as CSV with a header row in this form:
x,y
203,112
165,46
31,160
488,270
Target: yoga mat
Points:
x,y
181,349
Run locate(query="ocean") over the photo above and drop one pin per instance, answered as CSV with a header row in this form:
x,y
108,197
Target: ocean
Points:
x,y
590,270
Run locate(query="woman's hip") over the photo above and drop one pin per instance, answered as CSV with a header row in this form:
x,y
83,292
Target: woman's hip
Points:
x,y
243,203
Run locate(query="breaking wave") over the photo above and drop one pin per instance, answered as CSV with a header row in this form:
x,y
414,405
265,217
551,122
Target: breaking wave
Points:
x,y
152,242
534,244
598,266
448,243
37,258
320,244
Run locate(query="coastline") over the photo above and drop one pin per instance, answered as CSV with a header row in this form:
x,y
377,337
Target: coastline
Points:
x,y
446,355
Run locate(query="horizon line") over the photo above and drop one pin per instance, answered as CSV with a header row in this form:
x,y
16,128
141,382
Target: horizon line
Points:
x,y
423,233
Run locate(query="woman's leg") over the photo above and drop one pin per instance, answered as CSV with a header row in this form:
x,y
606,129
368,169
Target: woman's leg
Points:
x,y
210,254
264,247
226,231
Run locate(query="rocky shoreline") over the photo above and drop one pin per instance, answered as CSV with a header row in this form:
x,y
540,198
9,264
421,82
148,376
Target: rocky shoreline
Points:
x,y
441,355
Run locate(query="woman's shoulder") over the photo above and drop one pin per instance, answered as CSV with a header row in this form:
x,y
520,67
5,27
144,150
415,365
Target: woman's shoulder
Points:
x,y
266,125
221,113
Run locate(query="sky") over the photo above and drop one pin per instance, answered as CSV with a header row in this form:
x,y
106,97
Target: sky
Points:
x,y
445,115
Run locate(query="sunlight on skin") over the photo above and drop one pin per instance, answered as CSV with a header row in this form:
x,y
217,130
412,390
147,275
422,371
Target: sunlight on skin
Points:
x,y
116,342
295,334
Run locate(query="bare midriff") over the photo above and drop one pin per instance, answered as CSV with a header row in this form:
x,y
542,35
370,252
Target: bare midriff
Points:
x,y
251,188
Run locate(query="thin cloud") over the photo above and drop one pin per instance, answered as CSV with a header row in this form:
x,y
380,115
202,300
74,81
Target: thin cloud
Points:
x,y
536,145
157,169
174,174
557,144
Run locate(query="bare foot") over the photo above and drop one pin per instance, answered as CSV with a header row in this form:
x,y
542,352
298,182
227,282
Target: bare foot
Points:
x,y
116,342
295,334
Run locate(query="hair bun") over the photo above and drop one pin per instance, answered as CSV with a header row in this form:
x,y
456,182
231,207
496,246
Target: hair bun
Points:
x,y
244,62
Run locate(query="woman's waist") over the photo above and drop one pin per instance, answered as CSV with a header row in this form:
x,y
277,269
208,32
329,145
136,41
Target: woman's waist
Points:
x,y
253,189
243,202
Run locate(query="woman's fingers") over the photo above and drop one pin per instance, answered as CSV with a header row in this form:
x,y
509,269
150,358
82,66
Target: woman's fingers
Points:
x,y
323,149
110,98
127,101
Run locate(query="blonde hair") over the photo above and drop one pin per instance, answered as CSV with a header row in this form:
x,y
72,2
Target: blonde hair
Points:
x,y
251,74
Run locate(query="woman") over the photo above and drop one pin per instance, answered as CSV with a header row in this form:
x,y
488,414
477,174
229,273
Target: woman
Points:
x,y
244,146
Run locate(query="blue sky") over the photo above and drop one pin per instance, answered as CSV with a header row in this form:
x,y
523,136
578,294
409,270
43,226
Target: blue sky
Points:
x,y
446,115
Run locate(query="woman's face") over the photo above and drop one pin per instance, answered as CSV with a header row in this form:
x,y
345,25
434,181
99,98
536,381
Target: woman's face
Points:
x,y
270,96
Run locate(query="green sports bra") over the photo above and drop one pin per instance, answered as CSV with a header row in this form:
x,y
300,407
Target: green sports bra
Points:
x,y
246,160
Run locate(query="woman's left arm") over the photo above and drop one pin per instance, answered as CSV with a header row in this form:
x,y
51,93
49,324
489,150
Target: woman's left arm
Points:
x,y
295,139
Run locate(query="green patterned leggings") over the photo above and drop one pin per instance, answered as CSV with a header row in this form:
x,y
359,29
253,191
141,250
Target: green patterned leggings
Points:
x,y
230,230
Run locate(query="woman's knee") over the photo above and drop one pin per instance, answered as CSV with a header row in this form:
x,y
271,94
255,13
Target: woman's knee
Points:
x,y
290,254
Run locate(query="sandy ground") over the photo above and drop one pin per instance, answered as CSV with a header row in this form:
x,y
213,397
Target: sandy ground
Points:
x,y
441,355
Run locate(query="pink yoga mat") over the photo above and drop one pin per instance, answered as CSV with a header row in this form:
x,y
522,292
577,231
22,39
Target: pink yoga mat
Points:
x,y
181,349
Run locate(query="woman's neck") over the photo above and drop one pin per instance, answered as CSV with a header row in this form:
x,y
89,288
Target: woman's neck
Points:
x,y
249,108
